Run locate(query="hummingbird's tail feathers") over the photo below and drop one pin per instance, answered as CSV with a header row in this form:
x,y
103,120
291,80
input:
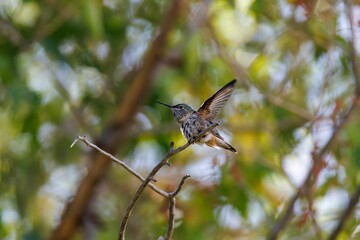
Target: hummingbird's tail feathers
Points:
x,y
230,148
216,142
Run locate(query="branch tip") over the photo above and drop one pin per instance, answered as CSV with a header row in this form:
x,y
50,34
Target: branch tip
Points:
x,y
173,194
74,142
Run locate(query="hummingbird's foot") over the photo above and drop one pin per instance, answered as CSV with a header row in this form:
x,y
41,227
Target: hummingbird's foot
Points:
x,y
192,140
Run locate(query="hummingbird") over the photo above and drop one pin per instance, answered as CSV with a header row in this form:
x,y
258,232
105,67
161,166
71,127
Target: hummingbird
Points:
x,y
192,122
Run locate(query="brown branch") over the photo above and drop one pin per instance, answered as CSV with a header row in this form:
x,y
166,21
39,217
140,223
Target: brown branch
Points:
x,y
164,161
346,214
312,214
172,202
352,41
275,231
285,219
139,192
153,56
176,192
111,139
8,30
277,101
355,198
121,163
146,182
288,212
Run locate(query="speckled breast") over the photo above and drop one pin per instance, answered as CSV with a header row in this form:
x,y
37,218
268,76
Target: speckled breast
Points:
x,y
193,126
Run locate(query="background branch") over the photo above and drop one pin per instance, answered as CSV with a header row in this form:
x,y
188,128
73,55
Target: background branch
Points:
x,y
346,214
110,139
299,77
317,157
246,82
172,202
352,41
355,197
9,31
281,224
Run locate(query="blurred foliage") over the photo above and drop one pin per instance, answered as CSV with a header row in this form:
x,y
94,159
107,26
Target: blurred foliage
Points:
x,y
64,65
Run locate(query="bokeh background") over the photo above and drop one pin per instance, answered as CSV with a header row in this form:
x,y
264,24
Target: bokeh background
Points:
x,y
96,68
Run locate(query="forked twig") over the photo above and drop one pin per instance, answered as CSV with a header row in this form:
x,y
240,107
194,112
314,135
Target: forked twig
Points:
x,y
172,202
147,181
151,175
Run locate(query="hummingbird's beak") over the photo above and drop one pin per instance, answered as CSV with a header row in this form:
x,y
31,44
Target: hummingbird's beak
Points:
x,y
164,104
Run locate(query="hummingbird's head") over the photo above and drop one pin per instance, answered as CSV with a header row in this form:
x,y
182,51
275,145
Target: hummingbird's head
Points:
x,y
180,111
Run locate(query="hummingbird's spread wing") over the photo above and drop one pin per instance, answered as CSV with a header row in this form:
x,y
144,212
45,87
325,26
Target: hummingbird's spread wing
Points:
x,y
211,107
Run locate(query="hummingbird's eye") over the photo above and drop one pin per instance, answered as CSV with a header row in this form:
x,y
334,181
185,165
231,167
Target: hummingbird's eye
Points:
x,y
181,107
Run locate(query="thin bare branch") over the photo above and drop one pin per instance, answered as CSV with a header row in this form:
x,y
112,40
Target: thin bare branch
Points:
x,y
285,219
172,202
346,214
9,31
121,163
275,231
176,192
355,198
352,41
151,175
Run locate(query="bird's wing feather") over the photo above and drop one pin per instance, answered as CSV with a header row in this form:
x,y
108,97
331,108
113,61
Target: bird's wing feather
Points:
x,y
211,107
